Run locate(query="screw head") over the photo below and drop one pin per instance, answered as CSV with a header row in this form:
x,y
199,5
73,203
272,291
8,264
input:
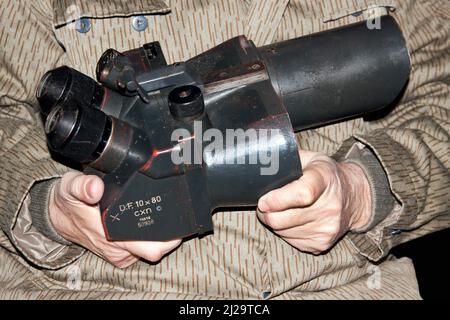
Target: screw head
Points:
x,y
83,25
139,23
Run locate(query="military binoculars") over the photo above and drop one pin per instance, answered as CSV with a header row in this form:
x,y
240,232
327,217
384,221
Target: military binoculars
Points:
x,y
173,142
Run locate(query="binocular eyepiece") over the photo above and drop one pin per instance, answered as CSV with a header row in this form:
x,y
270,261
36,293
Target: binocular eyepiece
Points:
x,y
65,86
74,125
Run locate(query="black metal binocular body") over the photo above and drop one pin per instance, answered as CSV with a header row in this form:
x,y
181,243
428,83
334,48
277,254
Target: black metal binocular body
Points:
x,y
123,129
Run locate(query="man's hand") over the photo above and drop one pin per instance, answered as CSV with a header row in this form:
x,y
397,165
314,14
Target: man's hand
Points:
x,y
313,212
75,215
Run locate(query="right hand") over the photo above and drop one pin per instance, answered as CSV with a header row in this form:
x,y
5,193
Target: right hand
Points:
x,y
75,215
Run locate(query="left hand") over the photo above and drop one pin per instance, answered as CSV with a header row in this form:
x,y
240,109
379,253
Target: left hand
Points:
x,y
75,215
315,211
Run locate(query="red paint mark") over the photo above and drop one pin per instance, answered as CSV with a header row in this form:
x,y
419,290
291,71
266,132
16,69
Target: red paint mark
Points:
x,y
156,153
104,214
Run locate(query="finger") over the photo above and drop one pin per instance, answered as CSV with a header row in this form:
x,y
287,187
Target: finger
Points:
x,y
289,218
85,188
151,251
300,193
306,231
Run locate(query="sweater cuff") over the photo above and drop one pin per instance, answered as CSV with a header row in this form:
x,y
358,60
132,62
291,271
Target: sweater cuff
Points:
x,y
37,248
39,210
383,201
381,233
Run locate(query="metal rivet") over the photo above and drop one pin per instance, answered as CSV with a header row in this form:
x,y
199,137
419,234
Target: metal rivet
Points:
x,y
139,23
83,25
396,232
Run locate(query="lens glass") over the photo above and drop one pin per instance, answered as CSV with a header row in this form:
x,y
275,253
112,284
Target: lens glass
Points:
x,y
42,85
53,119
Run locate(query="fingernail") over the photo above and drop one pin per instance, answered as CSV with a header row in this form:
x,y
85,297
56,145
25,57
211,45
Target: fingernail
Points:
x,y
262,205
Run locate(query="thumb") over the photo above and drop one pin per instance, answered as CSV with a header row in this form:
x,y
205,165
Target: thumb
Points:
x,y
297,194
84,188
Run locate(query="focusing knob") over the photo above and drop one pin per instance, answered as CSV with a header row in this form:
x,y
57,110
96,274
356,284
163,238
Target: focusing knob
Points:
x,y
186,102
106,64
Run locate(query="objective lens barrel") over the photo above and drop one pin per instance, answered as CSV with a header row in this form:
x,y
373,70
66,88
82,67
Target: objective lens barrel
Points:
x,y
340,73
